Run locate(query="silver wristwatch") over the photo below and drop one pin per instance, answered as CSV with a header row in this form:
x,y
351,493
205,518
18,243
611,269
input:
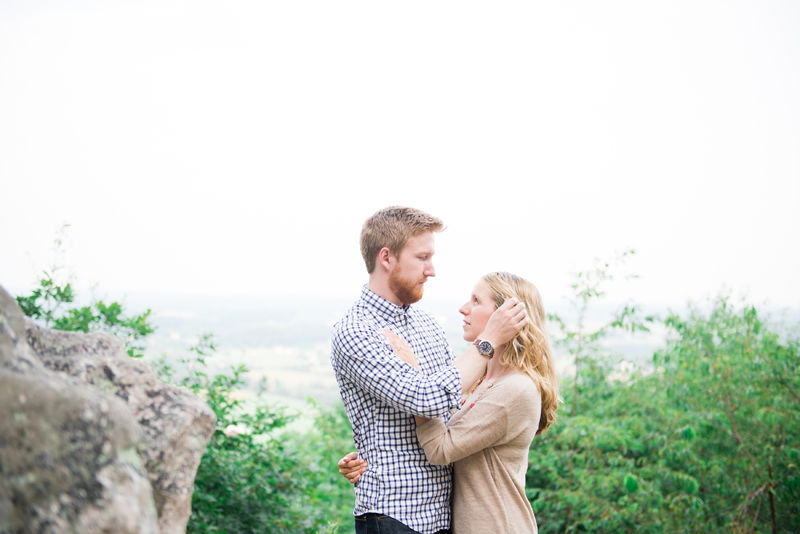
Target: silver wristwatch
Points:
x,y
484,347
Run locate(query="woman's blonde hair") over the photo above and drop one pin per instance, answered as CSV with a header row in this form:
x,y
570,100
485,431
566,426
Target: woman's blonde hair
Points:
x,y
530,350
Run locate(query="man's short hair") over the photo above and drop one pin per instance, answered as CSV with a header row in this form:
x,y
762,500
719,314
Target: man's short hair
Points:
x,y
392,227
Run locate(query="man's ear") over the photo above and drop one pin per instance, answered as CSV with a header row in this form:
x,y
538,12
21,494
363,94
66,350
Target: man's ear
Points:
x,y
386,259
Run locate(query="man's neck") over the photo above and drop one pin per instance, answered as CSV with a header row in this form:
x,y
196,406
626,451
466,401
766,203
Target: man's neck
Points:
x,y
382,289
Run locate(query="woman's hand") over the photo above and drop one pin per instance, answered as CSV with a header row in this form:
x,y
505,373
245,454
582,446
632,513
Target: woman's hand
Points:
x,y
401,348
352,467
505,322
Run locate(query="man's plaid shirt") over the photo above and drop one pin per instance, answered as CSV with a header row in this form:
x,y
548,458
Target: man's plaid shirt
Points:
x,y
381,394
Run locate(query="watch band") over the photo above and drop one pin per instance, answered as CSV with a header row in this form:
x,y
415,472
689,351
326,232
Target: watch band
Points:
x,y
484,347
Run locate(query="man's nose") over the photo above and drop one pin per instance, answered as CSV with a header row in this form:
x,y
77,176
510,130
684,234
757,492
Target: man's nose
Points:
x,y
429,270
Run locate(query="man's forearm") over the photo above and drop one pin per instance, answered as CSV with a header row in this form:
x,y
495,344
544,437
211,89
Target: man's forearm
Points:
x,y
471,366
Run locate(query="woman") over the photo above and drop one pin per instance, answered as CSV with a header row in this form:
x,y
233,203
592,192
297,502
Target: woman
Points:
x,y
488,438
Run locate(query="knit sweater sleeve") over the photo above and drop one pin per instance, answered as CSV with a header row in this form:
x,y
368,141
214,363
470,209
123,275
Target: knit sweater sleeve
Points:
x,y
492,421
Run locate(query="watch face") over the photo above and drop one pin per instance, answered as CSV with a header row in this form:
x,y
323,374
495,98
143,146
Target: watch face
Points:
x,y
485,347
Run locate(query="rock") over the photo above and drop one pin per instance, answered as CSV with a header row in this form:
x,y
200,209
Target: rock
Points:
x,y
69,460
99,443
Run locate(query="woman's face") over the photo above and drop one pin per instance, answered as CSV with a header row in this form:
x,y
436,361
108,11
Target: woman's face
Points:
x,y
477,311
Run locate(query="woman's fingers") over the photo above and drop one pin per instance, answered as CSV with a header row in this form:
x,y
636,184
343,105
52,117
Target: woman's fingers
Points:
x,y
349,457
352,466
394,339
506,322
346,467
397,342
356,477
517,311
353,472
401,347
510,303
522,314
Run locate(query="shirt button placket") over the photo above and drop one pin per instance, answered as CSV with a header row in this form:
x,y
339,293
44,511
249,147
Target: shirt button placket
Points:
x,y
400,321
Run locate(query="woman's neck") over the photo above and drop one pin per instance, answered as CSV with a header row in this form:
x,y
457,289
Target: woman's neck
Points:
x,y
494,367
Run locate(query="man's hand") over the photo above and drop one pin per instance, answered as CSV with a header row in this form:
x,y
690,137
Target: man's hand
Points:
x,y
351,467
505,322
401,348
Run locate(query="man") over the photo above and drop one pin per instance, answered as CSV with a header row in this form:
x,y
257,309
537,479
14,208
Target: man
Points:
x,y
400,490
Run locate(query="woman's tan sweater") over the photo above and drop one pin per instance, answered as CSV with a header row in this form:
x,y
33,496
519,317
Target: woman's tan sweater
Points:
x,y
488,445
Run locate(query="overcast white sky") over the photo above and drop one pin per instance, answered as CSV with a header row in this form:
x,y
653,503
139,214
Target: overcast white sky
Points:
x,y
237,147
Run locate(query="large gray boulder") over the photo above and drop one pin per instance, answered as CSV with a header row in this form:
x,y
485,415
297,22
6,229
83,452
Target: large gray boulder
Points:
x,y
91,439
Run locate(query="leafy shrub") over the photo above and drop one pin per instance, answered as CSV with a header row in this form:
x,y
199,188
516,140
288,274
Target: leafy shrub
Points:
x,y
329,494
252,479
49,304
706,442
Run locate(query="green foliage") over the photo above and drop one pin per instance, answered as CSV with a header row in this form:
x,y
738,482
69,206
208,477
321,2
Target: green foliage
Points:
x,y
252,479
330,494
702,443
49,303
45,305
584,345
738,383
246,479
631,484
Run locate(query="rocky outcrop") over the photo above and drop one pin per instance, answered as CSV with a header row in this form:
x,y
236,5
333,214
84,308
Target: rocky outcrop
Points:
x,y
91,440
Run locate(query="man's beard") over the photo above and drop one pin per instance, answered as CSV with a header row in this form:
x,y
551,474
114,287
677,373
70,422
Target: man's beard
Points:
x,y
407,291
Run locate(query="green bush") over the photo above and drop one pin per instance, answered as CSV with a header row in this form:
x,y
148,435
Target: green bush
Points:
x,y
707,442
329,494
47,302
253,479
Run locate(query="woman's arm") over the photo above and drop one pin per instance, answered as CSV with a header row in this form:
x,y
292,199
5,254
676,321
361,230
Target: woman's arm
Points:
x,y
483,426
504,323
495,419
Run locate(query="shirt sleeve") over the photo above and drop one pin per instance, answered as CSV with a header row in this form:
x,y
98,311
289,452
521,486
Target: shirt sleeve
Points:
x,y
491,422
363,356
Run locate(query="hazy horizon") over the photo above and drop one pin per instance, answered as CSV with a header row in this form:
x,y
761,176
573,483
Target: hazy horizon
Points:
x,y
236,149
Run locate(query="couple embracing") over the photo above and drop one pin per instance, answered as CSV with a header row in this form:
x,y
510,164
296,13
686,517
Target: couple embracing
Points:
x,y
442,442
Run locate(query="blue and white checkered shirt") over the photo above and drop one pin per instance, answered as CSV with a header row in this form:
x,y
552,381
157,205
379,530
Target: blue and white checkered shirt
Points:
x,y
381,394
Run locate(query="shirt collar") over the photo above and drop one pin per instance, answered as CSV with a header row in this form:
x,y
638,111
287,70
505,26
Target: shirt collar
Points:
x,y
382,307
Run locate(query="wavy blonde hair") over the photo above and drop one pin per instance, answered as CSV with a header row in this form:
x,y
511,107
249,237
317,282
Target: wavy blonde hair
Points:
x,y
530,350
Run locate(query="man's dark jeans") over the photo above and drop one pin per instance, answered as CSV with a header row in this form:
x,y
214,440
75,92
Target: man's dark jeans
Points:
x,y
383,524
